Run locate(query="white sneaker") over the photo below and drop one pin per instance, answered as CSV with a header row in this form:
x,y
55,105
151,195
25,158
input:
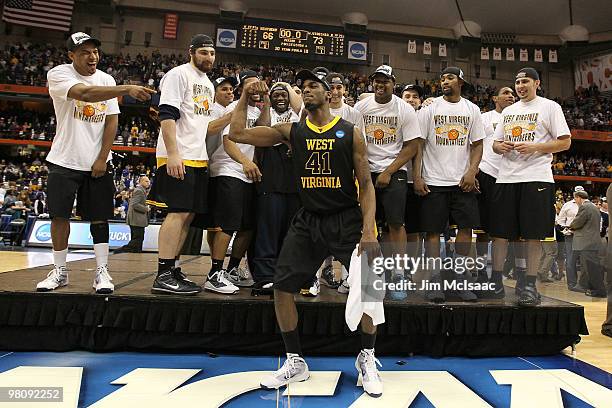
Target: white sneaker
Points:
x,y
57,278
313,290
240,277
368,376
295,369
344,287
102,283
217,282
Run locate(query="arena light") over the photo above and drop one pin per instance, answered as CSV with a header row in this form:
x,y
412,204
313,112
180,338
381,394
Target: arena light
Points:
x,y
574,33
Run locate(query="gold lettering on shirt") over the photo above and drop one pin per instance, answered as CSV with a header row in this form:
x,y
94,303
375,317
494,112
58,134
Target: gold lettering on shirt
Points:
x,y
451,130
92,112
520,128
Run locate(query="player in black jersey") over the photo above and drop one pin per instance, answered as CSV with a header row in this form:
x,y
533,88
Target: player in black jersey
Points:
x,y
328,153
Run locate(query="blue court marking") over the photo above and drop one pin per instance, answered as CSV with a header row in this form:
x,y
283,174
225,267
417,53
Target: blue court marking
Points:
x,y
102,368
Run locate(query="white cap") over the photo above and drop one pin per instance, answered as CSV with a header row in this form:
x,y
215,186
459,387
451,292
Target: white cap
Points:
x,y
578,188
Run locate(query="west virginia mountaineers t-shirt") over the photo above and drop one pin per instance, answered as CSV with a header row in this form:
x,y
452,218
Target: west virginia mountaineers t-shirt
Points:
x,y
80,125
449,129
537,121
387,127
490,160
190,91
223,165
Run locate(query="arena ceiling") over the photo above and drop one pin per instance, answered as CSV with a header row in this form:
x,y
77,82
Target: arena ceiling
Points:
x,y
541,17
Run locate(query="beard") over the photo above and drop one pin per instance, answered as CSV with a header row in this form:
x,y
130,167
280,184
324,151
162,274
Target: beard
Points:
x,y
448,92
312,106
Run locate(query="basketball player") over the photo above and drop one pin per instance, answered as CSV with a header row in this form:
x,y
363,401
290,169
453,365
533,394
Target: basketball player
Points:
x,y
234,172
277,196
452,151
181,179
328,152
530,131
488,169
392,132
413,94
86,108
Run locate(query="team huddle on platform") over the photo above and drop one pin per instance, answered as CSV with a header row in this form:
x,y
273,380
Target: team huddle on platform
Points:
x,y
298,177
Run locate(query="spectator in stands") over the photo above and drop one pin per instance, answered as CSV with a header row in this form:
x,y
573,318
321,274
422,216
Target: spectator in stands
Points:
x,y
40,205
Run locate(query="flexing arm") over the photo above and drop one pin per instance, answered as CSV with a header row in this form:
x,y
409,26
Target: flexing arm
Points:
x,y
87,93
260,136
295,100
110,131
264,118
468,181
217,125
367,199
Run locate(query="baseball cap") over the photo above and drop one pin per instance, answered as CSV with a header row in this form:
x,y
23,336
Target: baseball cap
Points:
x,y
416,88
232,81
528,72
277,87
76,39
455,71
244,75
578,188
321,71
319,77
335,78
385,70
201,40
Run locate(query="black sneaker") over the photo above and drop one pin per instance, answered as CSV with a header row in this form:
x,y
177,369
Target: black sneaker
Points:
x,y
167,283
529,296
433,294
179,275
329,279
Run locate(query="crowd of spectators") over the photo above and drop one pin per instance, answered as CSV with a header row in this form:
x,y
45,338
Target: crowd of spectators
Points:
x,y
583,165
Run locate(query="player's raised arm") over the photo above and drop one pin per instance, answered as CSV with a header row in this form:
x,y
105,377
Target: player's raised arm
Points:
x,y
260,136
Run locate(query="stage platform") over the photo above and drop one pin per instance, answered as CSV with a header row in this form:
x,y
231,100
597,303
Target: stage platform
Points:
x,y
75,318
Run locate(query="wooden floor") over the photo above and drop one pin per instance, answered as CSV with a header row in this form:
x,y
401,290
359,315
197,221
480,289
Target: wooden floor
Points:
x,y
595,348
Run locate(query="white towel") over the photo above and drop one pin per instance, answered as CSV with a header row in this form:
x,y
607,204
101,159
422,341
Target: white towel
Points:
x,y
355,307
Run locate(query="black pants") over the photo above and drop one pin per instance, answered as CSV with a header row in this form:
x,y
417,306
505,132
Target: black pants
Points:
x,y
274,214
136,240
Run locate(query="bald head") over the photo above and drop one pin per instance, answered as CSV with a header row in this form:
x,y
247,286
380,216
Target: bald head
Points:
x,y
144,181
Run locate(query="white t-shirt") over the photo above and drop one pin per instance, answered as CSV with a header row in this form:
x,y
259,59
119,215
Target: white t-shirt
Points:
x,y
449,129
190,91
288,116
490,160
223,165
214,141
80,125
350,114
537,121
387,127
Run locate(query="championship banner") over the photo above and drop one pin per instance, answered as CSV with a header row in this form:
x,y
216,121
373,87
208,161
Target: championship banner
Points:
x,y
442,50
170,26
537,55
594,71
523,55
484,53
412,49
497,54
509,54
427,48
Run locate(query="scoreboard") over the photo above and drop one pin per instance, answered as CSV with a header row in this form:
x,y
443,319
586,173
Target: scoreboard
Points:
x,y
283,39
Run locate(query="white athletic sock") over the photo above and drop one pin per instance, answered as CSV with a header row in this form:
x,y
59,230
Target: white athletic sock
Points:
x,y
59,258
520,263
101,251
177,262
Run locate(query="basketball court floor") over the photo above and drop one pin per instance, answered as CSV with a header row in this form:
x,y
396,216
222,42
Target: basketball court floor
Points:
x,y
578,378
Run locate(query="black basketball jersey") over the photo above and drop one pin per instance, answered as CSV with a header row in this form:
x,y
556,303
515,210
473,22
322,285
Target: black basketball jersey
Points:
x,y
323,163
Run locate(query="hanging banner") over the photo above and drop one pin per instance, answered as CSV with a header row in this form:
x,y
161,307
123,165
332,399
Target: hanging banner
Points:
x,y
170,26
537,55
442,50
552,55
509,54
412,47
427,48
594,71
523,55
497,54
484,53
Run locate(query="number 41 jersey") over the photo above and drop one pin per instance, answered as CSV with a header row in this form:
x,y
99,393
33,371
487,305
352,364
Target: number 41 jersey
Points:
x,y
323,162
